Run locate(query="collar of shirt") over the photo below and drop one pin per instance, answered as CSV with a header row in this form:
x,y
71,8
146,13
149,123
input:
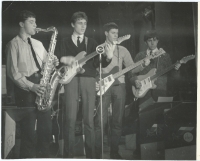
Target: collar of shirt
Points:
x,y
153,51
75,37
24,37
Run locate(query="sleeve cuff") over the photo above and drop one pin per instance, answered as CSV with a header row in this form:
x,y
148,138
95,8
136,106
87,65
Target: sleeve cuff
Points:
x,y
132,80
30,85
108,60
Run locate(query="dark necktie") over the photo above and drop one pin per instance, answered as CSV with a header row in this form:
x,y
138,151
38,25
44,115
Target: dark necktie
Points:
x,y
78,41
34,55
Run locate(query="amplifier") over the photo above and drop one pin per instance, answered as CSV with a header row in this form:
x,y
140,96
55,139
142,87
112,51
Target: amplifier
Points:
x,y
166,126
152,123
180,129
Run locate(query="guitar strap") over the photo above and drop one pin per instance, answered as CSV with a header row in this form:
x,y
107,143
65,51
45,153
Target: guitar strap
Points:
x,y
86,42
157,63
118,54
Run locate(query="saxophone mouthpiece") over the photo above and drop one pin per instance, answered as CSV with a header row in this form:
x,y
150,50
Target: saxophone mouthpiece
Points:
x,y
38,30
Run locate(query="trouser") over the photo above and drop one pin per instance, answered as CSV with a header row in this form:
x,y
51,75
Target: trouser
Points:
x,y
116,96
85,86
35,143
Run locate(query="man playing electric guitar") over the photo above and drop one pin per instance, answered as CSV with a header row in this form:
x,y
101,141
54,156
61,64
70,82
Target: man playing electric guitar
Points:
x,y
81,85
161,63
116,94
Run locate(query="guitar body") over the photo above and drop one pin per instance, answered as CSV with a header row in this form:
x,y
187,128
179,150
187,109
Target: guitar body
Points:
x,y
108,80
71,71
146,82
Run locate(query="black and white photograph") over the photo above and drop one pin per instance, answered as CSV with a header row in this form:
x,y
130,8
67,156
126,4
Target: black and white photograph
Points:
x,y
114,80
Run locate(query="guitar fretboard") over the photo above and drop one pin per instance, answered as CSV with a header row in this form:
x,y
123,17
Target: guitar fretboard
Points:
x,y
88,57
163,72
118,74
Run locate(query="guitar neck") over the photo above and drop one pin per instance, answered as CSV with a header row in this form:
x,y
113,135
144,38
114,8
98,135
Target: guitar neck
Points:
x,y
88,57
118,74
163,72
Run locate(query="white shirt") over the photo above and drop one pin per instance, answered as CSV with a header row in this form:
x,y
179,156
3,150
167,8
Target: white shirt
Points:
x,y
20,61
75,37
153,51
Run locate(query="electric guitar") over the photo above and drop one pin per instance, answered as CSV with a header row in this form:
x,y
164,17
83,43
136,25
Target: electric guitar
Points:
x,y
110,79
81,59
148,79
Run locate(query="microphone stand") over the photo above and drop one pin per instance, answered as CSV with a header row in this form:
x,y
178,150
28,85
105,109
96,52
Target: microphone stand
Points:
x,y
100,50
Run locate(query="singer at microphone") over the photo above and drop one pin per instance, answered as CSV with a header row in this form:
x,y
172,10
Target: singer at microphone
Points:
x,y
116,94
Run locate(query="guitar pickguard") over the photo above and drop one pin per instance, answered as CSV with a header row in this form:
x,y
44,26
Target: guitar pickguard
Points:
x,y
106,83
146,85
71,71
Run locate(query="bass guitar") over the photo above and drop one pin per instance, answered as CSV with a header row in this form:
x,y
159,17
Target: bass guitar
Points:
x,y
110,79
81,59
147,80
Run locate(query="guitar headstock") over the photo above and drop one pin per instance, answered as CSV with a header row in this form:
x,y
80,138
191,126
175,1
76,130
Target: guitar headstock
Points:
x,y
187,58
157,53
121,39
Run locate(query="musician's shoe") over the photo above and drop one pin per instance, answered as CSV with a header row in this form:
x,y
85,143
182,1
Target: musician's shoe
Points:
x,y
115,155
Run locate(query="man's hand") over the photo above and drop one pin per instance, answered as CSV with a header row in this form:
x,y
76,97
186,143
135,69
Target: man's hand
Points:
x,y
56,61
138,84
68,60
109,49
177,66
146,62
38,89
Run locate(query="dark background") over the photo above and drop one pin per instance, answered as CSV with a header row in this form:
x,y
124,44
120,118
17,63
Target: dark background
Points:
x,y
176,22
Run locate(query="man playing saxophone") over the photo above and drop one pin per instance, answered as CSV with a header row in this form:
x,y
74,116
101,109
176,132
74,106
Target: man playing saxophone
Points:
x,y
25,57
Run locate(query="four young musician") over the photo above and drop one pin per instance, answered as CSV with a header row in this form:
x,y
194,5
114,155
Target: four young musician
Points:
x,y
26,57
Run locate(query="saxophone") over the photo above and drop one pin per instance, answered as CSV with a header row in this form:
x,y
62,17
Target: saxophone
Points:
x,y
44,102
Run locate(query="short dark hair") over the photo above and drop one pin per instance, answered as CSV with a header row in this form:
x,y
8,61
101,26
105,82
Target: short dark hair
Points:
x,y
24,15
78,15
150,34
111,25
